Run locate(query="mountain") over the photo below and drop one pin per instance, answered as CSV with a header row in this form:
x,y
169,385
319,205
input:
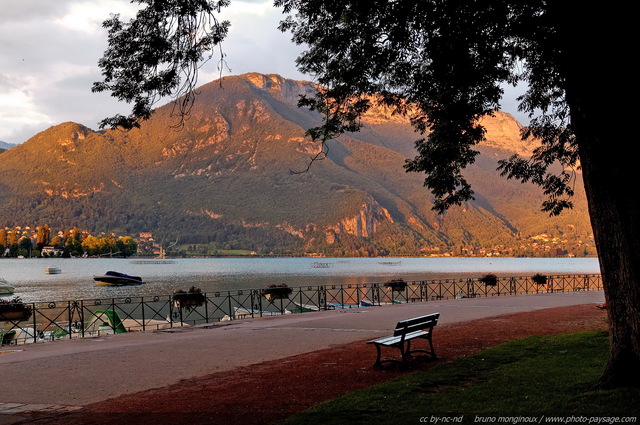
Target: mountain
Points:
x,y
225,178
4,146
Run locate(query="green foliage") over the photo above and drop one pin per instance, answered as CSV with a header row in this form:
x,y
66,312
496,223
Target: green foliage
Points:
x,y
3,240
25,243
158,54
95,246
126,246
73,247
441,64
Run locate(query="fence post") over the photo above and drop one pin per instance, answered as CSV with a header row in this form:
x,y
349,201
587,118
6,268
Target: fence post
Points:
x,y
322,297
113,308
256,301
35,322
206,307
142,304
81,317
70,315
261,300
302,303
229,303
170,312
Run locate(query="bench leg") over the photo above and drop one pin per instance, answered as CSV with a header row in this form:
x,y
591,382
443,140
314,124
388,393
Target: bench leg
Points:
x,y
404,353
378,363
432,351
407,352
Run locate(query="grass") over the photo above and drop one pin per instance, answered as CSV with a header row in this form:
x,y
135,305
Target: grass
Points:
x,y
533,379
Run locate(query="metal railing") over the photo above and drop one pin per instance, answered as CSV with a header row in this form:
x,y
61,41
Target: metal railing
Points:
x,y
48,321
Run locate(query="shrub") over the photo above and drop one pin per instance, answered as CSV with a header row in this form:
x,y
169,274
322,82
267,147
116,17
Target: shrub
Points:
x,y
188,299
489,279
539,279
273,292
396,285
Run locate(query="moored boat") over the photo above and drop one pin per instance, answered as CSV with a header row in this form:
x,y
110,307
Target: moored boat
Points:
x,y
244,313
52,270
5,288
112,278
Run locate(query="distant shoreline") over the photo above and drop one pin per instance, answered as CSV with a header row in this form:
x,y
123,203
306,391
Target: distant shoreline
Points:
x,y
150,258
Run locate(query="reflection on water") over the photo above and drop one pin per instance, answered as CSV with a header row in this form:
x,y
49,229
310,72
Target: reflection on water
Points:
x,y
226,274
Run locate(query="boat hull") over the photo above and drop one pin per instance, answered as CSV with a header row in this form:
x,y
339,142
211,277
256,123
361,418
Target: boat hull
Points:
x,y
5,288
107,281
117,279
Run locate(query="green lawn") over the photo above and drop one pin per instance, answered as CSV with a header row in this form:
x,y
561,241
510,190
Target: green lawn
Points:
x,y
533,380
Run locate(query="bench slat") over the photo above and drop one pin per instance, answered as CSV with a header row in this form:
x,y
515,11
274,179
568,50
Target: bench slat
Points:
x,y
421,319
392,340
418,323
405,331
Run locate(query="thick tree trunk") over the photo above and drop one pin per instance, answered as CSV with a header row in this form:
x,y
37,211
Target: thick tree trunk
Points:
x,y
615,217
595,80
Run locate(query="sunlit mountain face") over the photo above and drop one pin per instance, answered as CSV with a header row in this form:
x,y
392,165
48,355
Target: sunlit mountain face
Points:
x,y
225,177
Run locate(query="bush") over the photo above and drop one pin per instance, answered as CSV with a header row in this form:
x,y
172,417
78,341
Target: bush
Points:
x,y
489,279
539,279
273,292
14,309
193,298
396,285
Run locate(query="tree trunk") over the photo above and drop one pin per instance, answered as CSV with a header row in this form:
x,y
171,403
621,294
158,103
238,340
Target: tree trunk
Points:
x,y
615,219
604,130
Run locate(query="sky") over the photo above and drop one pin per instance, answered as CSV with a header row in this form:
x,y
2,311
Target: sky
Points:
x,y
49,52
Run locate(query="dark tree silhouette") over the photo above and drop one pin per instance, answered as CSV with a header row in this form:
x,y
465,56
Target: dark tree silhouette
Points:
x,y
158,54
443,64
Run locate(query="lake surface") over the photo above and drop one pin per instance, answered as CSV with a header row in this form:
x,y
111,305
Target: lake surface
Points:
x,y
225,274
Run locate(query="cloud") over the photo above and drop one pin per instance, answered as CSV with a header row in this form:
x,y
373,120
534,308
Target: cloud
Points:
x,y
87,17
255,44
50,52
51,49
20,11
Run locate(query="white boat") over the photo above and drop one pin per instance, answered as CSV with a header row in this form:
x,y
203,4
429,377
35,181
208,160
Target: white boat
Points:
x,y
5,287
304,308
244,313
52,270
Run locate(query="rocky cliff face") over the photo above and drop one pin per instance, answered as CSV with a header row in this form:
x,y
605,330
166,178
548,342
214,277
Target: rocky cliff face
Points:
x,y
364,224
281,88
503,132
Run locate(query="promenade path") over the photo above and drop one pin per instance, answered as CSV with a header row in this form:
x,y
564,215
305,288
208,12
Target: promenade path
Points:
x,y
68,374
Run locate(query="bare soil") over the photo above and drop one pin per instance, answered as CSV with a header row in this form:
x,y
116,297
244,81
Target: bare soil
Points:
x,y
270,392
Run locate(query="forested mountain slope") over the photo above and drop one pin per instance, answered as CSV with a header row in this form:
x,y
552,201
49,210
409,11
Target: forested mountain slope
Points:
x,y
224,177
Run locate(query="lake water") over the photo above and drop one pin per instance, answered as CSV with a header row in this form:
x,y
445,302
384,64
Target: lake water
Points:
x,y
222,274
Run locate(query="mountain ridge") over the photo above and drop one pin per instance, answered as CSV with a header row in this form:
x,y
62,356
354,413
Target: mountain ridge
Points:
x,y
224,179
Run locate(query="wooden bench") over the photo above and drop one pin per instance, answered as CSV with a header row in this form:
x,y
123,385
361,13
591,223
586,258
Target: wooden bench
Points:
x,y
405,332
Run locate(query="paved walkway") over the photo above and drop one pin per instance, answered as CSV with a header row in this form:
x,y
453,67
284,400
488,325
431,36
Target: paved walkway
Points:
x,y
70,374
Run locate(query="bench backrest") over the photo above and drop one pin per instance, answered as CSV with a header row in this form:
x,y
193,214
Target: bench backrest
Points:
x,y
416,324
